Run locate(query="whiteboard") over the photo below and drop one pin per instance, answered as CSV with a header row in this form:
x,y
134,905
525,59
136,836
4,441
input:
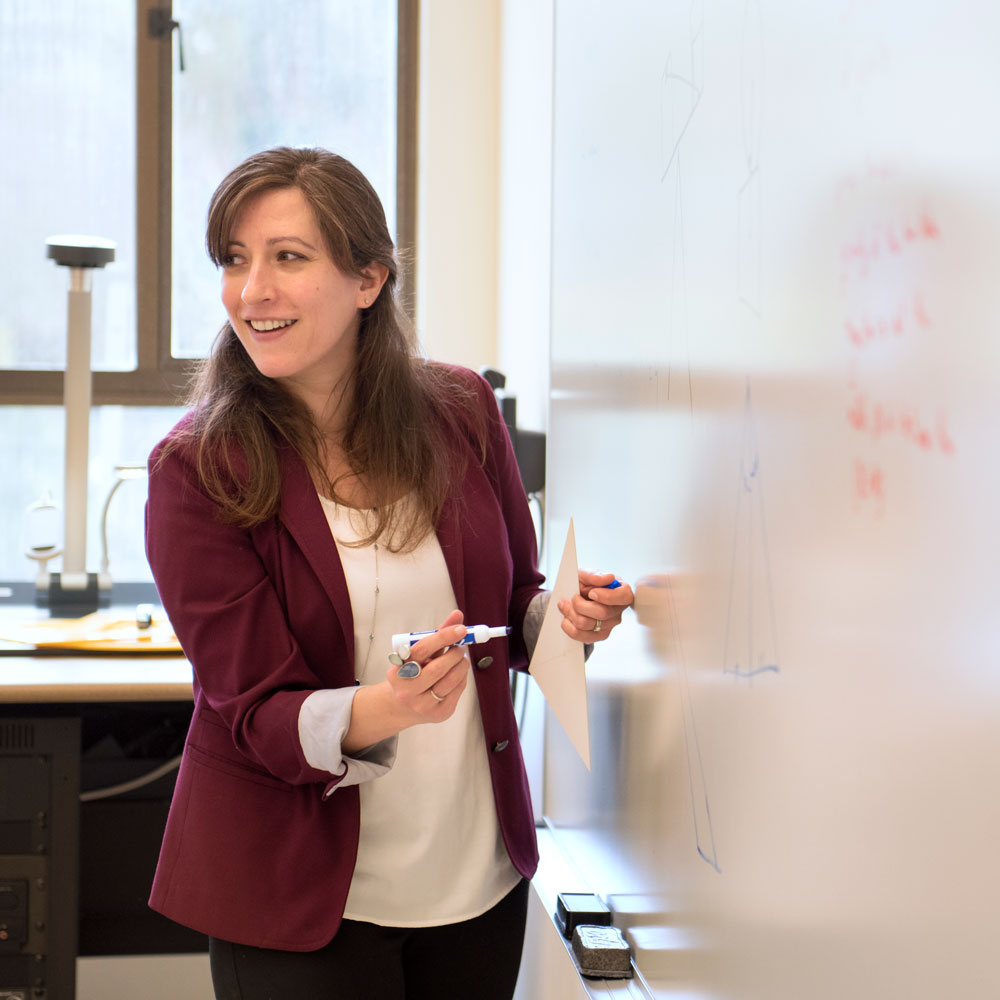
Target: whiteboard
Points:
x,y
775,346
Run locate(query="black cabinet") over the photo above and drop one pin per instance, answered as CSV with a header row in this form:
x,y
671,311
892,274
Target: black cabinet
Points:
x,y
84,794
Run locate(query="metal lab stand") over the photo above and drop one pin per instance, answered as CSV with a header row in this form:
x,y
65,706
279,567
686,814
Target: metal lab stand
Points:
x,y
75,591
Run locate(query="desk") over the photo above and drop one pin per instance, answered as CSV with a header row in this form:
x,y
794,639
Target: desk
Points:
x,y
51,678
88,721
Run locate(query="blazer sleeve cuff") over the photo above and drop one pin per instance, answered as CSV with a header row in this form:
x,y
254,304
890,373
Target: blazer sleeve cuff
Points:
x,y
324,719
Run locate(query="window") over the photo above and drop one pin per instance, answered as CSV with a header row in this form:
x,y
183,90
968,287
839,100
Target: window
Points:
x,y
67,98
113,138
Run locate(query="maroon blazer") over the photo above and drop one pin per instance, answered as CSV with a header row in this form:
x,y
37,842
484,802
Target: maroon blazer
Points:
x,y
254,852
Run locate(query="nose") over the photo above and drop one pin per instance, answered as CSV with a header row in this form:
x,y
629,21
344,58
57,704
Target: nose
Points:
x,y
259,286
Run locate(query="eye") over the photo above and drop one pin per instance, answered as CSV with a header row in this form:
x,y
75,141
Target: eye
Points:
x,y
289,255
230,260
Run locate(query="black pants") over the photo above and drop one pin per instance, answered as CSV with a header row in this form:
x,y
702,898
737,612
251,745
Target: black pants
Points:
x,y
476,959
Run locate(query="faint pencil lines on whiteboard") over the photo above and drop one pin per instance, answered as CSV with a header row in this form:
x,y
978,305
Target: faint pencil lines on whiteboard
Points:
x,y
701,811
677,301
748,197
751,636
750,646
681,89
680,93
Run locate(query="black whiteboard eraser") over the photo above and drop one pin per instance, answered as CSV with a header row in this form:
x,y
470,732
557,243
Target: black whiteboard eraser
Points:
x,y
575,908
601,952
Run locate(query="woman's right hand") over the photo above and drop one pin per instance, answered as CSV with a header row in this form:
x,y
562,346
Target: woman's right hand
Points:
x,y
433,694
397,703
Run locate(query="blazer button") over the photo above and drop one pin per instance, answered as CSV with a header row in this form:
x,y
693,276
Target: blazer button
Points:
x,y
501,745
485,662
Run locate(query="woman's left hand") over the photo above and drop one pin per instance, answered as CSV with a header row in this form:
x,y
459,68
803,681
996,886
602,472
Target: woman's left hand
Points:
x,y
591,615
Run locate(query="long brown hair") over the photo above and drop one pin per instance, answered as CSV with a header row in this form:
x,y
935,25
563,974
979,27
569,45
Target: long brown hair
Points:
x,y
402,411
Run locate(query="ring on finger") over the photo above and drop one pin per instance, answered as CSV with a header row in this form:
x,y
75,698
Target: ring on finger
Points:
x,y
435,695
598,625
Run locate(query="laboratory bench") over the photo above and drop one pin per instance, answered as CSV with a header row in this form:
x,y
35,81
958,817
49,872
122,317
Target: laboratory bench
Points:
x,y
89,744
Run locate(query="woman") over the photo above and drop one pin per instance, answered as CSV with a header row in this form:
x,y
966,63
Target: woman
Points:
x,y
339,829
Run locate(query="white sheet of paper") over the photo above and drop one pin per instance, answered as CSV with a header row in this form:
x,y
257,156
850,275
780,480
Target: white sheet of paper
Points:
x,y
558,663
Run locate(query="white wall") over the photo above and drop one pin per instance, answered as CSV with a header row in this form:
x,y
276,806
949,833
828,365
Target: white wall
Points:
x,y
484,199
457,180
525,205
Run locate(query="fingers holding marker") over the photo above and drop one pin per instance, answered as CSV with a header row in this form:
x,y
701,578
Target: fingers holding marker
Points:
x,y
605,588
442,680
412,644
584,625
430,680
592,614
448,687
435,664
411,649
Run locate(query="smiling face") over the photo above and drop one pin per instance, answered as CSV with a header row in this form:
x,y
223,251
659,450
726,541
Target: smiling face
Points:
x,y
295,312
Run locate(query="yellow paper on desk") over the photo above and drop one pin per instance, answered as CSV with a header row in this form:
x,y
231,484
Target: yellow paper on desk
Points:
x,y
101,631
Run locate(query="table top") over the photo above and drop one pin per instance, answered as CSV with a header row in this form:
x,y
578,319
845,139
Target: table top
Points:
x,y
126,677
50,675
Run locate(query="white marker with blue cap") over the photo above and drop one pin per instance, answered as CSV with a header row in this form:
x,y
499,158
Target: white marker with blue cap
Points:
x,y
402,641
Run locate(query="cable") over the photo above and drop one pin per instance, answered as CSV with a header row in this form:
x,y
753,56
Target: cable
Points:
x,y
519,680
539,501
131,786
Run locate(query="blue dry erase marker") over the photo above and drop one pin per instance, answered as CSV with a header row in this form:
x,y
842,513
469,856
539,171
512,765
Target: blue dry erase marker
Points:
x,y
614,585
402,641
473,633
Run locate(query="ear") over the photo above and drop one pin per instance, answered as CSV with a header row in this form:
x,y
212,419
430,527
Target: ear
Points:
x,y
372,279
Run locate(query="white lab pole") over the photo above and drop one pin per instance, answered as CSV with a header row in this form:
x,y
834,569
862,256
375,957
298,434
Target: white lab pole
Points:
x,y
75,588
76,399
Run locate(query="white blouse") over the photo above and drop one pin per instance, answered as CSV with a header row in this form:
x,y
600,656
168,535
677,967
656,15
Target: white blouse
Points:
x,y
430,850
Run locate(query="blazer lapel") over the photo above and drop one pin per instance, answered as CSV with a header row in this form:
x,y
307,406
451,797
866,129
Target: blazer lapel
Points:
x,y
302,514
450,536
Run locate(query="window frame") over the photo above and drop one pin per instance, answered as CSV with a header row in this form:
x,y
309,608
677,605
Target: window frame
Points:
x,y
159,379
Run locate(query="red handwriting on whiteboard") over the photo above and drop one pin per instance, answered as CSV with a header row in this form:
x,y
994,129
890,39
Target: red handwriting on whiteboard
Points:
x,y
885,241
908,316
869,483
878,420
873,171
